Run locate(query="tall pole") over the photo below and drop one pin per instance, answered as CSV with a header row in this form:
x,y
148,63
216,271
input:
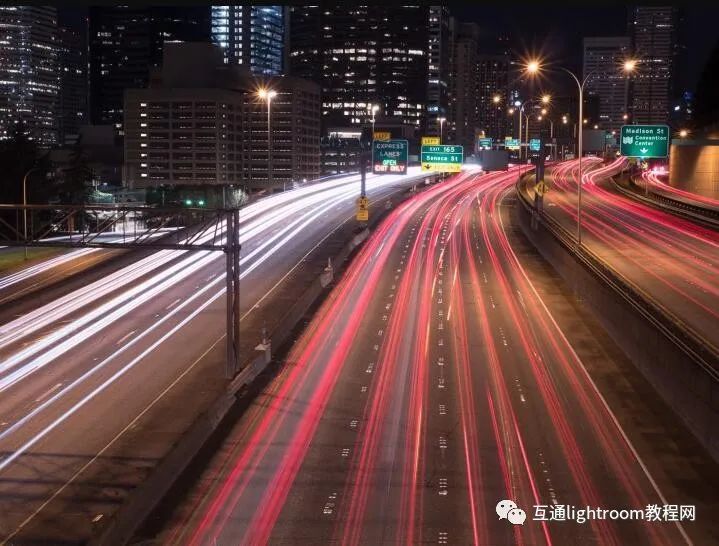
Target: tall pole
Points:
x,y
269,142
579,193
520,133
24,210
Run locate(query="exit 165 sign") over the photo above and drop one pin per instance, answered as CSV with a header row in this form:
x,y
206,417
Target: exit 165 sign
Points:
x,y
644,141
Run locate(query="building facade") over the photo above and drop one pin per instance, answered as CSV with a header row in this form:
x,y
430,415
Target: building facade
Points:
x,y
202,122
125,42
493,95
29,72
603,60
439,54
253,36
73,98
654,32
363,56
462,119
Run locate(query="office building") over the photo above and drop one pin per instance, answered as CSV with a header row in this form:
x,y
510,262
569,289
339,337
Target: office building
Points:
x,y
604,58
73,97
493,96
202,122
253,36
654,33
126,42
29,72
439,54
362,56
462,120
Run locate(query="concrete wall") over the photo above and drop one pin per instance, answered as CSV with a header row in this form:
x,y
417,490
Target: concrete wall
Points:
x,y
686,386
694,166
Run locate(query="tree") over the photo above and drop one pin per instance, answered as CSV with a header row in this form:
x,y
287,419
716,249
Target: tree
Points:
x,y
18,155
76,181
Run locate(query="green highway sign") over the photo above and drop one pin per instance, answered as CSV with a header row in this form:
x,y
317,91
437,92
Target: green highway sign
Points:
x,y
644,141
484,143
535,144
442,158
511,143
389,156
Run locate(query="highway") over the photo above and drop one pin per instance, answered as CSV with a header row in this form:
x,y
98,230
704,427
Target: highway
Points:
x,y
433,383
654,181
95,383
670,259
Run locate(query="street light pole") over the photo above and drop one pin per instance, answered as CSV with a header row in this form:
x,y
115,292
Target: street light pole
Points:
x,y
441,127
268,95
24,210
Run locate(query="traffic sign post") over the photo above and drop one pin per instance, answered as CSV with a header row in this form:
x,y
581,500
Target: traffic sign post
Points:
x,y
442,158
511,143
644,141
484,143
362,209
389,156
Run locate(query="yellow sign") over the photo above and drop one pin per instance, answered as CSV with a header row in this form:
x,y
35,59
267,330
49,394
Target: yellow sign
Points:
x,y
430,140
362,215
542,187
382,135
442,167
363,202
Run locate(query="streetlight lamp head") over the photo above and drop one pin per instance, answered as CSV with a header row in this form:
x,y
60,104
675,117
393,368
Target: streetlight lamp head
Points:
x,y
539,118
442,119
517,103
375,108
625,117
511,111
596,126
630,65
532,67
546,99
543,111
496,99
683,133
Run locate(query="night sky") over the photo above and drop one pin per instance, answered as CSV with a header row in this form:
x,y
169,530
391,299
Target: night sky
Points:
x,y
558,31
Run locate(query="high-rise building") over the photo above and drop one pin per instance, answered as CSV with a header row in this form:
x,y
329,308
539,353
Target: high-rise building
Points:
x,y
603,61
29,75
126,42
253,36
202,122
653,30
462,122
73,110
362,56
493,96
439,54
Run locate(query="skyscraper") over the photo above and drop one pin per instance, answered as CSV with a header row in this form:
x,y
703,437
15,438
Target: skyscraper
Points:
x,y
73,111
493,95
29,76
253,36
126,42
462,121
364,55
439,52
603,60
653,30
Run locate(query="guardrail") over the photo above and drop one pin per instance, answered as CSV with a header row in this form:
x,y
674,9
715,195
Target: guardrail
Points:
x,y
698,349
704,215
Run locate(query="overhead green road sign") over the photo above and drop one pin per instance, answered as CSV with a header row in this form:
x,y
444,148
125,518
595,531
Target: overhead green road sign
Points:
x,y
511,143
389,156
442,158
484,143
644,141
535,145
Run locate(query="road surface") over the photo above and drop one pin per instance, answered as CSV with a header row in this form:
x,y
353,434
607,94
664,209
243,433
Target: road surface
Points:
x,y
433,383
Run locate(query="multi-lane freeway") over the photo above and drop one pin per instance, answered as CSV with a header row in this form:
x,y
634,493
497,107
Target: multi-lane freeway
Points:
x,y
446,372
97,384
670,259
